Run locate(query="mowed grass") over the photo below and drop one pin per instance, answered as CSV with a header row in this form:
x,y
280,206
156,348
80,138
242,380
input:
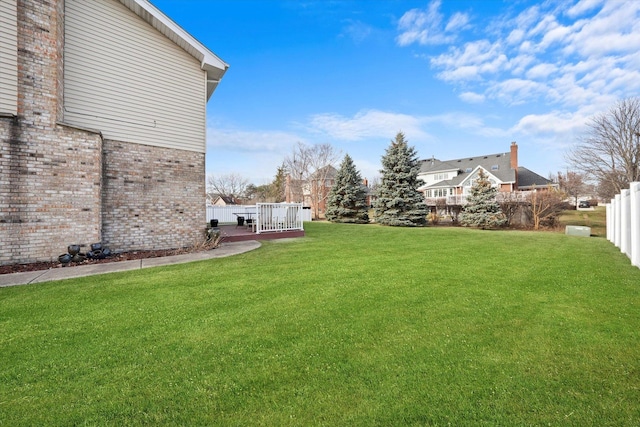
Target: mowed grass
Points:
x,y
596,219
352,325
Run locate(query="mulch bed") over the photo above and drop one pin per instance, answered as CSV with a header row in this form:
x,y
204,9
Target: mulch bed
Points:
x,y
123,256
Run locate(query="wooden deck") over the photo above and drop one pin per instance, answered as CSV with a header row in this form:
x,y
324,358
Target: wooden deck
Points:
x,y
232,233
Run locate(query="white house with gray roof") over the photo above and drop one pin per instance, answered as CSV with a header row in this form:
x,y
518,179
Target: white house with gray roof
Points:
x,y
449,182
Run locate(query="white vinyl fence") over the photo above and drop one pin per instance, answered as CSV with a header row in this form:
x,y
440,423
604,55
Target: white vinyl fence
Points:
x,y
623,222
229,214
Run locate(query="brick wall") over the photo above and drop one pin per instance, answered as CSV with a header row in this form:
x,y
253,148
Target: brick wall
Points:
x,y
49,191
50,175
153,198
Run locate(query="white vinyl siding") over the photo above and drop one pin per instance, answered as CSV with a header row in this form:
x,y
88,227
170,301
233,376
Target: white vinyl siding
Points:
x,y
434,177
127,80
8,57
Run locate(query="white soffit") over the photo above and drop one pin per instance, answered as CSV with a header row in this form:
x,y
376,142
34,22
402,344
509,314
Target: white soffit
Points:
x,y
209,61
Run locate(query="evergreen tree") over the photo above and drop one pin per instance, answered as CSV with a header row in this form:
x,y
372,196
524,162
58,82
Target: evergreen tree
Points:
x,y
399,202
347,199
482,209
278,184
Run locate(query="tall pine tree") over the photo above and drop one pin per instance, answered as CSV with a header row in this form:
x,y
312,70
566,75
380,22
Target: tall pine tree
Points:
x,y
399,203
347,199
482,210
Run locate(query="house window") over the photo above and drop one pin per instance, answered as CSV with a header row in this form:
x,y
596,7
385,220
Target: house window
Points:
x,y
494,167
441,176
468,170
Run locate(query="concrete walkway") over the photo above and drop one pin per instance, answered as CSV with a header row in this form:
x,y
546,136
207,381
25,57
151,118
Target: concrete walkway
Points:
x,y
224,250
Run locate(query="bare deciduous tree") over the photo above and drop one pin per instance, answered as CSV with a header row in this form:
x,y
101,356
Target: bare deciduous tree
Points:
x,y
230,185
309,167
573,184
545,206
609,152
298,166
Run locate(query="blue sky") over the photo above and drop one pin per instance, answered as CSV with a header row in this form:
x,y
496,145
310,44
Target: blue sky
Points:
x,y
459,78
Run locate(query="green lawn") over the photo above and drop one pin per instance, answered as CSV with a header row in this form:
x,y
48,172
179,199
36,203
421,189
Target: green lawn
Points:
x,y
353,325
596,219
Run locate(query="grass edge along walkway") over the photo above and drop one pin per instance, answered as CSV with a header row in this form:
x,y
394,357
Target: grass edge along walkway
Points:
x,y
351,325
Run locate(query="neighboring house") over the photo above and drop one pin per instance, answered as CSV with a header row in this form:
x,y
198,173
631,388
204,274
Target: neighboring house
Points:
x,y
312,192
447,183
224,201
102,127
370,193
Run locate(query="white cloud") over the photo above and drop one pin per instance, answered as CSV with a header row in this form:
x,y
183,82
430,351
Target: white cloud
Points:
x,y
380,125
357,31
556,123
534,56
541,71
545,24
248,141
516,91
614,29
366,124
476,58
472,97
582,7
557,34
515,37
457,22
425,27
521,63
528,18
471,123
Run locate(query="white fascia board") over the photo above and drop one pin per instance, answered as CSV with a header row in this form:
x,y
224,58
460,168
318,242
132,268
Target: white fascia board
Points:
x,y
209,61
489,175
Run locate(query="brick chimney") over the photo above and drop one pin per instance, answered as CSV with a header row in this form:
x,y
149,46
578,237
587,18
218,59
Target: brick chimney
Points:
x,y
514,163
514,156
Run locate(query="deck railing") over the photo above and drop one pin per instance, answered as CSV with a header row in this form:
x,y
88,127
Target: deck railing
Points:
x,y
229,214
273,217
461,199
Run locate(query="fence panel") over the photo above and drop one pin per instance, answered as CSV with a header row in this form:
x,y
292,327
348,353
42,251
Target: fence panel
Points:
x,y
623,222
635,223
228,214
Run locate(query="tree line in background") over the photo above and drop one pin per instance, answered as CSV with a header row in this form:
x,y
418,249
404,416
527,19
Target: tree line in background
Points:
x,y
604,161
